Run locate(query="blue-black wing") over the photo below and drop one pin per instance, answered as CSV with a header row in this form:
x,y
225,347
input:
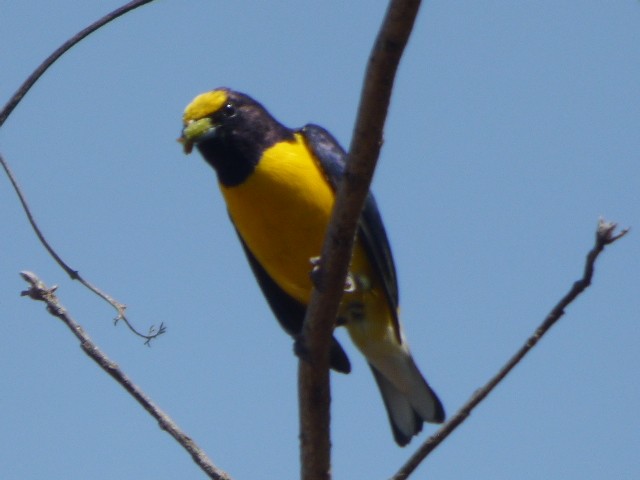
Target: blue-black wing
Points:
x,y
371,232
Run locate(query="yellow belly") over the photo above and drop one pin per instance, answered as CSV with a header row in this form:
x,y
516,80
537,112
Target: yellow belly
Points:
x,y
282,211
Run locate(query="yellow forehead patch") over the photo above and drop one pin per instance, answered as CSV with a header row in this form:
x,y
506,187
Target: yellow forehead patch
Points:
x,y
204,105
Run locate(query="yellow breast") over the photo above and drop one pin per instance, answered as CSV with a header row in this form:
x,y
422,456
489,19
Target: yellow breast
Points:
x,y
282,211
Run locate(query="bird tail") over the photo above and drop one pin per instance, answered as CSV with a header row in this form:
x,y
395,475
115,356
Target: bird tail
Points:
x,y
409,400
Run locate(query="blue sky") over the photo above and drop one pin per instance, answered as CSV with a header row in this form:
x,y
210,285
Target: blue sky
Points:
x,y
513,127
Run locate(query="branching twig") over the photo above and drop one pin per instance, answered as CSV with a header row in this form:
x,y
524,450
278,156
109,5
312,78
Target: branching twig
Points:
x,y
39,291
4,114
605,235
74,274
313,373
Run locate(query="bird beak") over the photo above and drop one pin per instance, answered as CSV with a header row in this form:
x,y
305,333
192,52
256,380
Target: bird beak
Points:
x,y
195,131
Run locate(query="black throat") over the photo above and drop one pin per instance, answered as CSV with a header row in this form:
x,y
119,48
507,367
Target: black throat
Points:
x,y
232,166
236,147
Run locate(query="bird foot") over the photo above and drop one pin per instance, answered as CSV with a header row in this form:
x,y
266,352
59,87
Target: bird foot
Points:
x,y
300,348
350,284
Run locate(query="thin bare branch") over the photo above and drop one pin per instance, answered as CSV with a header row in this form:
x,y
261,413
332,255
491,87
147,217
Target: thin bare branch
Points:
x,y
605,235
51,59
39,291
4,114
74,274
313,373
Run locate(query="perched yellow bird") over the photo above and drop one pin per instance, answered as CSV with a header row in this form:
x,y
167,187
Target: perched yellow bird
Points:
x,y
279,186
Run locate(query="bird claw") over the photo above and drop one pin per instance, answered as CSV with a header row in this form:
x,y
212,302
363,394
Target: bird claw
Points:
x,y
350,284
300,348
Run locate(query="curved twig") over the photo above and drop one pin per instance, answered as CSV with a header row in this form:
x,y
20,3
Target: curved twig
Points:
x,y
4,114
51,59
74,274
605,235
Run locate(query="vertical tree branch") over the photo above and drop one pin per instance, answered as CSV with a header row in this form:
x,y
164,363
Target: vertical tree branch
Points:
x,y
313,372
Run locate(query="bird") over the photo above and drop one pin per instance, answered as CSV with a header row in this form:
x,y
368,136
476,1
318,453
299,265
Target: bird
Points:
x,y
279,187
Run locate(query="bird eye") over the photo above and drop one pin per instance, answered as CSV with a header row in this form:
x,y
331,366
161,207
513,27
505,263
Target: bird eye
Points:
x,y
228,110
